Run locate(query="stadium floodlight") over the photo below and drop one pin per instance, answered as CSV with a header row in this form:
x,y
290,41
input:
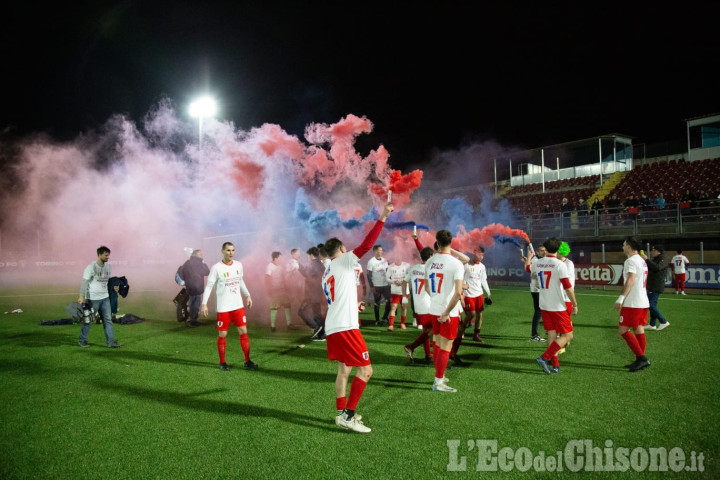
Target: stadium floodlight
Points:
x,y
203,107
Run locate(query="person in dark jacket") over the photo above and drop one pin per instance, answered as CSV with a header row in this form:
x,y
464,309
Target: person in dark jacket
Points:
x,y
310,309
193,273
657,269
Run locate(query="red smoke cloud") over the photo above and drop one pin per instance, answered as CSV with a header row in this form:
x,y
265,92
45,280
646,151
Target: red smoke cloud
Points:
x,y
400,185
466,241
247,176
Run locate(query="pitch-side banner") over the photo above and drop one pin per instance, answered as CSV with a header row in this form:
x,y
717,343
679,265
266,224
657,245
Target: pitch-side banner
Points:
x,y
697,276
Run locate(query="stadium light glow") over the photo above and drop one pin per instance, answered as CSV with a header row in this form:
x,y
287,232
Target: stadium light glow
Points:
x,y
203,107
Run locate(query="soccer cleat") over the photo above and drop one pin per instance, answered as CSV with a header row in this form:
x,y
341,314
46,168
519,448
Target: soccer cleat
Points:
x,y
543,364
224,367
409,352
682,293
415,323
456,360
555,369
316,332
562,350
677,293
443,387
651,327
428,360
402,326
83,344
355,423
249,365
391,328
477,337
630,365
193,323
663,325
537,338
320,339
640,364
272,329
115,344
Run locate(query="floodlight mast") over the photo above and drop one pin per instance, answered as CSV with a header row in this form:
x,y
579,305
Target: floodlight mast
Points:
x,y
204,107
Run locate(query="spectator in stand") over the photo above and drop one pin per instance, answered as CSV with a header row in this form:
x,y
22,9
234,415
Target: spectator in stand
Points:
x,y
646,203
632,205
566,207
582,212
596,206
547,210
687,202
660,205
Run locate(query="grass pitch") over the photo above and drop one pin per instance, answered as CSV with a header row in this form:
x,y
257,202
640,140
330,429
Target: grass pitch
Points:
x,y
160,408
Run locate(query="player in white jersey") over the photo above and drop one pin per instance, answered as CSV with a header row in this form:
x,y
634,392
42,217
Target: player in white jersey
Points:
x,y
379,286
227,278
415,283
294,281
345,343
679,262
633,303
554,281
474,283
395,275
275,286
94,288
443,282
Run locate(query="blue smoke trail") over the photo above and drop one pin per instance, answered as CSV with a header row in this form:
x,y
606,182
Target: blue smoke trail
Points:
x,y
458,211
505,239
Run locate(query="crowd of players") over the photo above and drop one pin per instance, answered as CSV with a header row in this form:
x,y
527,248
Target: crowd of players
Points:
x,y
445,284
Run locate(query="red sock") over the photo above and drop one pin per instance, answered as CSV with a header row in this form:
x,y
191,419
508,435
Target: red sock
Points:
x,y
632,343
555,361
402,319
221,348
435,349
356,390
642,341
245,344
392,320
426,346
340,403
441,361
552,349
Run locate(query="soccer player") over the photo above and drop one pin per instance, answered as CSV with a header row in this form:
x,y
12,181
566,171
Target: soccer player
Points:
x,y
633,303
395,276
679,262
474,282
275,285
415,280
377,268
535,293
443,282
553,279
311,307
345,343
228,275
562,255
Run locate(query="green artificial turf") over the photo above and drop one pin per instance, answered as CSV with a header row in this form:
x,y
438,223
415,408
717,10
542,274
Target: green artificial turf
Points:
x,y
160,408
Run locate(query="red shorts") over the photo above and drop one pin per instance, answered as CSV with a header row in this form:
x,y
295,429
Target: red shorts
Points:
x,y
569,307
395,299
236,317
633,317
425,319
348,347
474,304
448,329
561,321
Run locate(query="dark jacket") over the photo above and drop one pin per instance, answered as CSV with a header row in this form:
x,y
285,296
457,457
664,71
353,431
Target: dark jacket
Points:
x,y
313,273
123,289
194,272
656,273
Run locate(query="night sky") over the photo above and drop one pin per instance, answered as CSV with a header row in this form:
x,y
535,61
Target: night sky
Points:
x,y
431,77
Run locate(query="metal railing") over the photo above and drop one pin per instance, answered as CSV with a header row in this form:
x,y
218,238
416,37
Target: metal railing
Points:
x,y
699,217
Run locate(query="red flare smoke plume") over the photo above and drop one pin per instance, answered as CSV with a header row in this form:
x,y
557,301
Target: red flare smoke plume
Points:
x,y
466,241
